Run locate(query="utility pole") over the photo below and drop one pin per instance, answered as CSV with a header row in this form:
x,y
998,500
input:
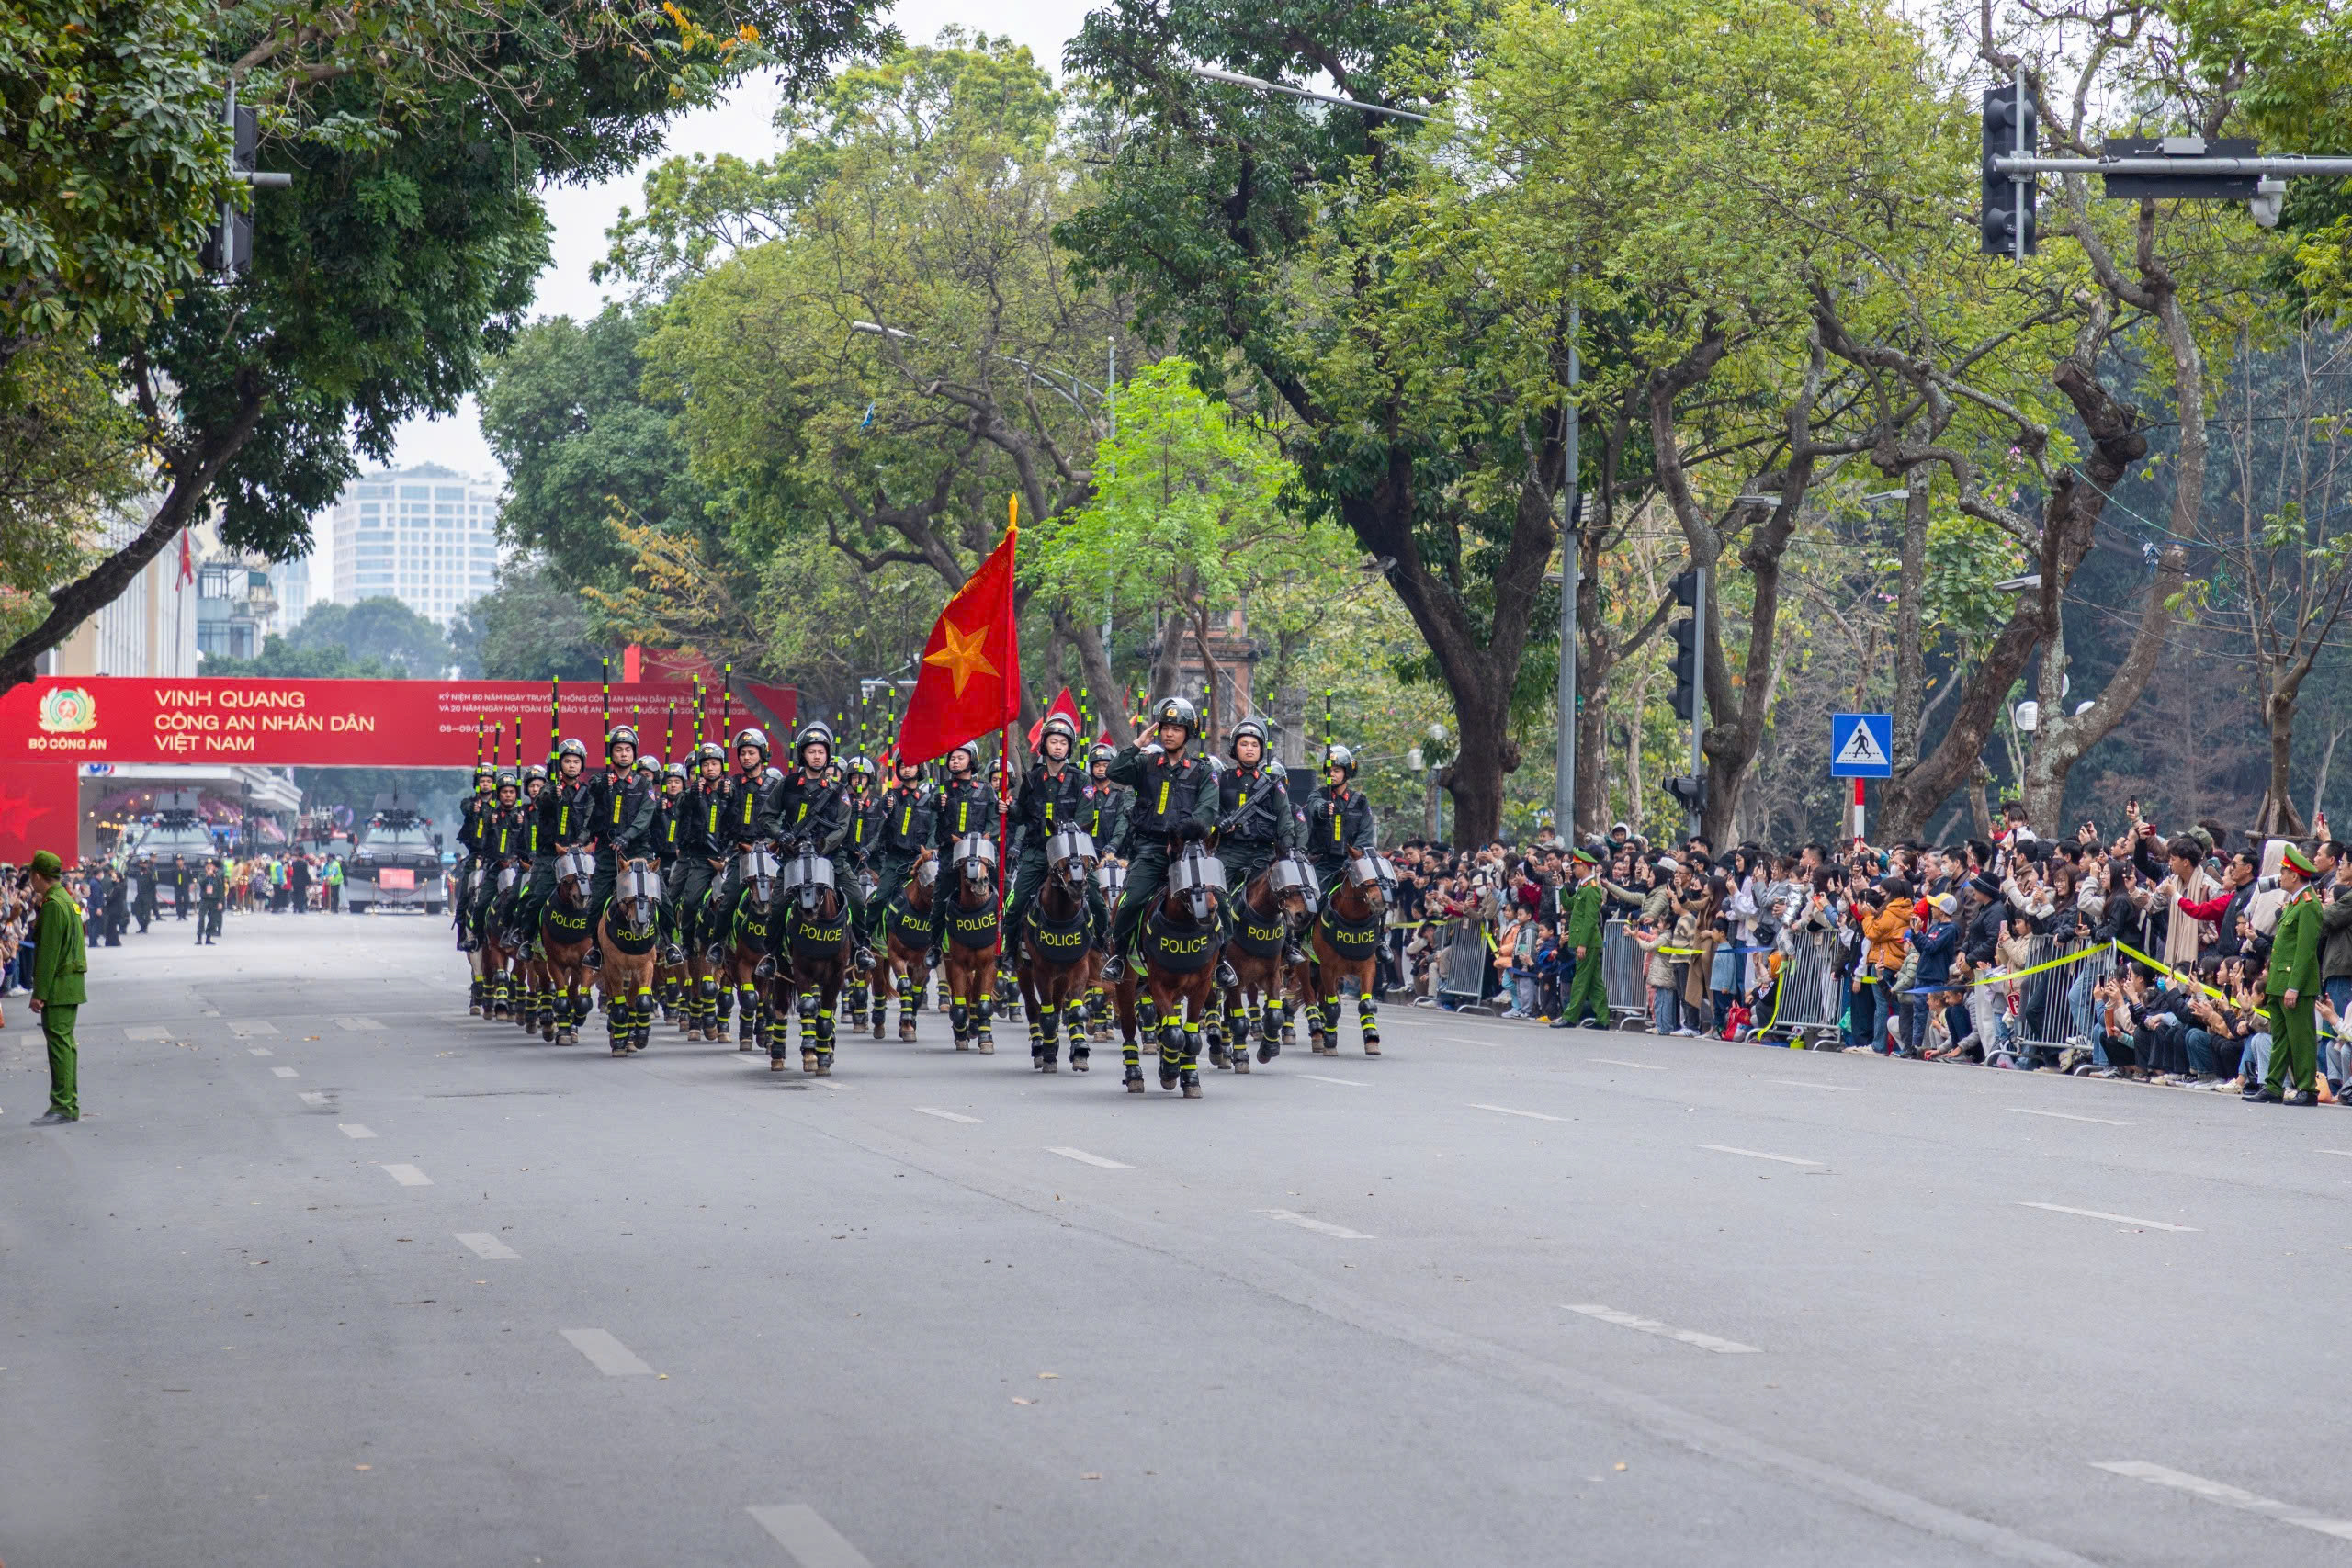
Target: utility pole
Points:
x,y
1564,789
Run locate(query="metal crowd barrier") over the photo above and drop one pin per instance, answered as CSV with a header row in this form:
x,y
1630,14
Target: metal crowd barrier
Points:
x,y
1462,967
1623,967
1811,993
2054,1006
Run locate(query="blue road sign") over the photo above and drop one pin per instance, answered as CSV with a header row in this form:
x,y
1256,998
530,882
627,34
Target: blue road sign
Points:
x,y
1861,746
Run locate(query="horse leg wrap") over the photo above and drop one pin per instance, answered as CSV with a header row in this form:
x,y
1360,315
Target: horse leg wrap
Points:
x,y
1073,1015
986,1020
1045,1025
1331,1017
1368,1016
959,1019
1171,1052
644,1016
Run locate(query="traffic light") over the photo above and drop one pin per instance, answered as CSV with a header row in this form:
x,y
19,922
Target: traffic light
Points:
x,y
1686,587
229,246
1685,632
2010,127
1691,789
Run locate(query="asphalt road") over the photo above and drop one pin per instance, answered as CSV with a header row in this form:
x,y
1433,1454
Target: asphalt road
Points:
x,y
332,1274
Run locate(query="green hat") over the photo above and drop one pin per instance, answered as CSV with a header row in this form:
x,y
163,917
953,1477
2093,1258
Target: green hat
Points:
x,y
1586,857
2295,858
46,864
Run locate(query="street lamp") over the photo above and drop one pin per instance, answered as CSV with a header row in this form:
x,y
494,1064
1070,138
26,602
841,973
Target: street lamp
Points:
x,y
1260,84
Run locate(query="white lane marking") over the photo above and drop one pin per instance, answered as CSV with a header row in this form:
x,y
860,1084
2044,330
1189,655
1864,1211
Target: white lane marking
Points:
x,y
313,1096
1620,1062
2236,1497
836,1088
146,1032
408,1176
284,1073
1320,1227
2103,1214
246,1028
357,1025
1800,1083
355,1129
1319,1078
1084,1158
945,1115
2067,1116
1507,1111
485,1244
606,1354
1650,1325
1464,1040
2345,1153
259,1051
1757,1154
801,1530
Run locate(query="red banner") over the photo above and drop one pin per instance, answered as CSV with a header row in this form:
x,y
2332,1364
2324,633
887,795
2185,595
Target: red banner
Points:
x,y
39,810
354,724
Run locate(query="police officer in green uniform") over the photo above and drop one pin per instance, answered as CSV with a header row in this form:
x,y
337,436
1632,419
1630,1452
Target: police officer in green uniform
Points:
x,y
469,872
699,809
497,837
563,811
623,802
1588,995
1053,797
2293,988
967,804
1175,797
865,830
1339,821
1254,820
747,816
673,830
909,810
812,814
1106,804
60,960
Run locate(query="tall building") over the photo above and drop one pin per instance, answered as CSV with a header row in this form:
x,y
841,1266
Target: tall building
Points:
x,y
290,585
425,536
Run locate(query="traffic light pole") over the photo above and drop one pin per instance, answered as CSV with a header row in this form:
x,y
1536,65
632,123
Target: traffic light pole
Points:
x,y
1698,688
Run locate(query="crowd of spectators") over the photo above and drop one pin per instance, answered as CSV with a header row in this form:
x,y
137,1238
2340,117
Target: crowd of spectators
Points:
x,y
2140,956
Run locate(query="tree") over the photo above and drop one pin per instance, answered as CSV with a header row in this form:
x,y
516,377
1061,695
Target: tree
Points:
x,y
404,255
382,631
528,627
581,443
281,660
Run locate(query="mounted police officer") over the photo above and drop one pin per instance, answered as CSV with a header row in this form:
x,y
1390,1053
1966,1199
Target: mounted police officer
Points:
x,y
1339,819
967,804
673,830
866,809
909,810
698,810
563,817
623,800
1106,802
499,837
469,813
1175,798
1053,797
747,816
1254,820
812,814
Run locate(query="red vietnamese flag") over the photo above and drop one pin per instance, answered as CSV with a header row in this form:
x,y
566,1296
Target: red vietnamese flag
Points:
x,y
1064,706
970,678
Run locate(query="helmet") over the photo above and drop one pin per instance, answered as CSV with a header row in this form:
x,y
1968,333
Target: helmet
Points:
x,y
971,755
572,747
1057,724
753,737
711,751
676,770
1176,710
484,771
1338,756
1252,728
1106,753
864,765
508,779
650,765
621,735
814,733
535,773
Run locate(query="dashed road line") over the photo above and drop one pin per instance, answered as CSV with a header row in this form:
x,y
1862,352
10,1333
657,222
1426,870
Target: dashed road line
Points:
x,y
485,1244
606,1354
1620,1062
246,1028
284,1073
1084,1158
259,1051
357,1025
2069,1116
146,1032
945,1115
1319,1078
408,1176
1800,1083
355,1129
813,1543
1758,1154
1320,1227
312,1097
1651,1325
2103,1214
1507,1111
2233,1497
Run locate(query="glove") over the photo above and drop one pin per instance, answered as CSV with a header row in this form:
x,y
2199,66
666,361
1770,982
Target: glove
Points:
x,y
1152,748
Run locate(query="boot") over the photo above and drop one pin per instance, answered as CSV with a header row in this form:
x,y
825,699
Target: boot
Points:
x,y
862,957
1225,975
673,953
1114,969
595,959
766,968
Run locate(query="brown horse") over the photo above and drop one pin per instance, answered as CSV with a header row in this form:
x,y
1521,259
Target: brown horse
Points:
x,y
814,965
1180,942
500,975
628,932
968,949
745,936
1057,953
909,936
1272,905
563,950
1346,947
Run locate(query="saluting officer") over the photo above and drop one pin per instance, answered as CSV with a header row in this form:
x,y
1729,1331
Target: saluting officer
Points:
x,y
624,803
1175,796
1254,820
1339,821
1588,998
1053,797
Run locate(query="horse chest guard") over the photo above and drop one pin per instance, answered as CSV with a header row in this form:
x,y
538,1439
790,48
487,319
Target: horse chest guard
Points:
x,y
1064,941
1260,936
914,928
751,926
1178,949
565,925
1353,940
972,928
819,935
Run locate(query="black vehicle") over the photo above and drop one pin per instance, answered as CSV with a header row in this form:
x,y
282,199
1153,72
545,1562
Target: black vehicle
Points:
x,y
398,861
176,829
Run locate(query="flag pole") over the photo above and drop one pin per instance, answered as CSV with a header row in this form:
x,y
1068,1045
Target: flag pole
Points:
x,y
1004,745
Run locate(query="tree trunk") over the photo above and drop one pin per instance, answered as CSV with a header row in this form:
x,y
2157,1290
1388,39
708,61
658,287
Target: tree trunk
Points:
x,y
1110,703
2060,738
1910,659
2277,805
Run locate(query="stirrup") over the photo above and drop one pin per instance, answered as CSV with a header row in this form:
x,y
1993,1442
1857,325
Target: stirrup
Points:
x,y
766,968
862,957
673,953
1114,969
713,954
595,959
1225,975
1292,951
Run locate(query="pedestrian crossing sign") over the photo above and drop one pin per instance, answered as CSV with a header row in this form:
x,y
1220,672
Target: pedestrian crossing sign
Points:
x,y
1861,746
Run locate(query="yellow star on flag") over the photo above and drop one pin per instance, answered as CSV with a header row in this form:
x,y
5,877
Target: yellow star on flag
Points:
x,y
964,655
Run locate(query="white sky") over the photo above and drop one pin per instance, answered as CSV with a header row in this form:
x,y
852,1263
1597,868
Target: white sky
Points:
x,y
741,126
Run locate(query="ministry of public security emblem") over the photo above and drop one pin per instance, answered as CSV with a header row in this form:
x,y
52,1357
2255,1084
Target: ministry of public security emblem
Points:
x,y
68,710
